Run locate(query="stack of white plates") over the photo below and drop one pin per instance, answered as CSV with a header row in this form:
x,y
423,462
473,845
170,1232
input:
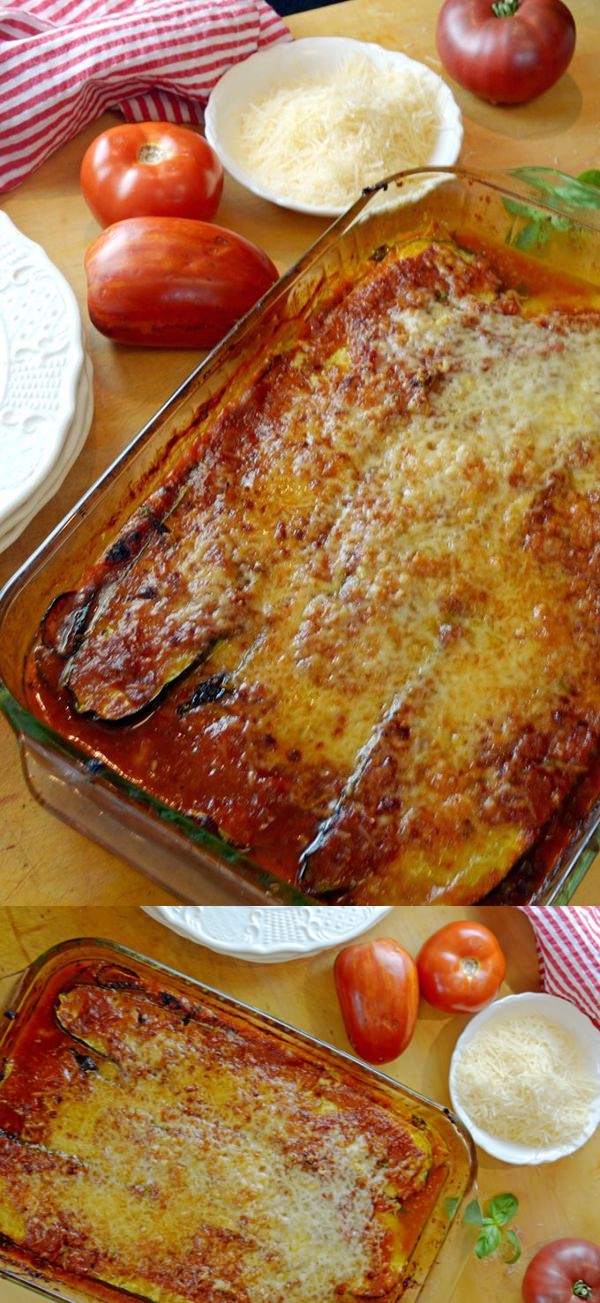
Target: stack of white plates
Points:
x,y
46,395
270,935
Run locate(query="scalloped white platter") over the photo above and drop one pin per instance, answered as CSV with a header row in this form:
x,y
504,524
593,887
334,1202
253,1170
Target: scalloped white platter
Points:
x,y
46,402
274,934
16,524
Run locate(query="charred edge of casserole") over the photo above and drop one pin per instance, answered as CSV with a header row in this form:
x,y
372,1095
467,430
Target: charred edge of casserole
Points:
x,y
67,1253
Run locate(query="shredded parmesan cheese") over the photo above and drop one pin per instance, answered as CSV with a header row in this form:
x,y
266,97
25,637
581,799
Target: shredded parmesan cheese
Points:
x,y
525,1081
321,141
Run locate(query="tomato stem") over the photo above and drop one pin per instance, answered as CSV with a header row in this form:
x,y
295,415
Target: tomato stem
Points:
x,y
582,1290
152,153
505,8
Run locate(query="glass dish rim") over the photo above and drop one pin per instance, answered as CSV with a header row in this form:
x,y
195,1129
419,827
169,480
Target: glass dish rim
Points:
x,y
16,987
573,863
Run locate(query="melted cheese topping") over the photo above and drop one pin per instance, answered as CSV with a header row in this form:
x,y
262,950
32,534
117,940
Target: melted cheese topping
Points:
x,y
379,570
525,1081
321,141
186,1158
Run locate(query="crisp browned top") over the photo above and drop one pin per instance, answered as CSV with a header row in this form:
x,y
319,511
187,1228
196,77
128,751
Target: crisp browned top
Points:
x,y
163,1150
358,634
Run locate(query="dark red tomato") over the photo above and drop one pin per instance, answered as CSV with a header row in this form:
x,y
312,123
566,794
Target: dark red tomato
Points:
x,y
378,990
460,967
509,51
151,169
563,1271
172,283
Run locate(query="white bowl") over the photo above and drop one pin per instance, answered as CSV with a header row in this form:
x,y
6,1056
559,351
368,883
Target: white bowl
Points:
x,y
565,1015
269,68
270,935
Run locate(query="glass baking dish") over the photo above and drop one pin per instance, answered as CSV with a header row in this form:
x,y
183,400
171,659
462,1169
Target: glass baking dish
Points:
x,y
438,1240
542,214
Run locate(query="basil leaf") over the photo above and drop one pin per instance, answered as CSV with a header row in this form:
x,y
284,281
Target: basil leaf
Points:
x,y
513,1239
537,228
578,194
502,1208
473,1214
532,234
522,210
488,1241
591,177
572,190
451,1206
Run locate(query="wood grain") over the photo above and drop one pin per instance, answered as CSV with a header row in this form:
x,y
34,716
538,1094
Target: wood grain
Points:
x,y
42,860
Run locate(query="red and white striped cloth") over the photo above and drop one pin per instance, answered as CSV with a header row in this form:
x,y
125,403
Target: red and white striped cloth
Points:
x,y
65,62
568,945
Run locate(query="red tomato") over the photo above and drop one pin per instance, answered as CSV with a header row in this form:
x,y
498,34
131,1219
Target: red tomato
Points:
x,y
151,169
378,991
563,1271
460,967
508,51
172,283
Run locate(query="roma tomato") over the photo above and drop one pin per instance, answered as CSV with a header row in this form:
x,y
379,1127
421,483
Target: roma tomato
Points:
x,y
172,283
506,51
378,991
563,1271
460,967
150,169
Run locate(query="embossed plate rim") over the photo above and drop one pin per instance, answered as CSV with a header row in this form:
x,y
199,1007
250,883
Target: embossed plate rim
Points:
x,y
247,928
67,389
16,524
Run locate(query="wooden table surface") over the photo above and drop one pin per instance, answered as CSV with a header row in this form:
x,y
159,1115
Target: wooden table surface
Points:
x,y
555,1199
41,859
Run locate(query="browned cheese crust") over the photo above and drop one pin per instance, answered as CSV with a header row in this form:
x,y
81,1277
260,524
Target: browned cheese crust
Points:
x,y
161,1150
357,631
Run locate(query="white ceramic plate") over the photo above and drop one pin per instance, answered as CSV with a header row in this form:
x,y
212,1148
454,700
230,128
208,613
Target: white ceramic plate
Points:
x,y
41,360
303,59
565,1015
269,935
17,522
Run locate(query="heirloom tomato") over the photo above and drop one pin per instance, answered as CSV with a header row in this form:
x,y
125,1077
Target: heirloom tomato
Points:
x,y
563,1271
151,169
506,51
378,991
460,967
172,282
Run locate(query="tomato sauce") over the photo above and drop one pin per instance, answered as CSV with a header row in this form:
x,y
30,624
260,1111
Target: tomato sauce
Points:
x,y
246,653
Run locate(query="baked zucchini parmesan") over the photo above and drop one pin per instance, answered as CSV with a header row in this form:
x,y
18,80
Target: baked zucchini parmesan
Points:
x,y
356,630
156,1146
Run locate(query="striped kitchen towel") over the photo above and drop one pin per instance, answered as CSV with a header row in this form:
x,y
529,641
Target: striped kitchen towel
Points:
x,y
65,62
568,945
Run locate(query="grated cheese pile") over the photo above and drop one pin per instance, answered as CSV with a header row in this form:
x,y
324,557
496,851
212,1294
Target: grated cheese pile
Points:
x,y
525,1082
322,141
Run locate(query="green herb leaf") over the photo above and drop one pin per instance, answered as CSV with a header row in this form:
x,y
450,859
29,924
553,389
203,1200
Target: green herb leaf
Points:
x,y
579,194
532,234
582,191
513,1240
502,1208
570,190
591,177
473,1214
451,1206
537,228
488,1241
